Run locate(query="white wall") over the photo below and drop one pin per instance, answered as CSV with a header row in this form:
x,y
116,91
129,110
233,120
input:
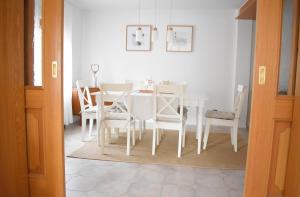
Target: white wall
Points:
x,y
253,40
210,69
76,43
243,62
72,55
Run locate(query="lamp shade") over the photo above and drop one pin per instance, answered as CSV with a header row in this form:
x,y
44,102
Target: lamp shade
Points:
x,y
170,35
154,34
139,35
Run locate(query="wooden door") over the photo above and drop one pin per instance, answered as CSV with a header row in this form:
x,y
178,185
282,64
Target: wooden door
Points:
x,y
272,109
292,184
13,160
44,98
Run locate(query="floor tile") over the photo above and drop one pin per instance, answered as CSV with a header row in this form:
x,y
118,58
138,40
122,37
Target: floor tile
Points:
x,y
144,190
93,170
83,184
95,178
236,193
234,182
150,175
70,193
177,191
181,176
112,187
209,192
210,181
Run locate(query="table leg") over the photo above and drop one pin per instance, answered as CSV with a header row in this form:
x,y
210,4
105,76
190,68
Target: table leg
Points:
x,y
141,129
108,130
199,126
116,132
197,122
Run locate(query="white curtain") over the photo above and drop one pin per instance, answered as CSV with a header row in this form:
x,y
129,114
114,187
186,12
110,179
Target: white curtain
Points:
x,y
68,115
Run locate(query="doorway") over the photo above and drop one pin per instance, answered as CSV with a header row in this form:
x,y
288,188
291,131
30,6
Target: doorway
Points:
x,y
54,138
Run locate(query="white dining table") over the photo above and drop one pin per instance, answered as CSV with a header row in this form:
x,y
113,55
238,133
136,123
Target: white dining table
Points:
x,y
142,107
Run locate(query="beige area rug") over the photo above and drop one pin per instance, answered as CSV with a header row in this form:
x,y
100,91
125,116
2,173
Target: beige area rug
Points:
x,y
218,154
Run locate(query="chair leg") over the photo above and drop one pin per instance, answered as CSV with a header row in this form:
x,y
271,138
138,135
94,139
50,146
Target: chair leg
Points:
x,y
98,133
231,135
141,129
235,135
179,142
117,132
128,140
108,133
102,138
183,136
207,127
199,141
160,135
83,125
157,137
153,141
133,134
91,126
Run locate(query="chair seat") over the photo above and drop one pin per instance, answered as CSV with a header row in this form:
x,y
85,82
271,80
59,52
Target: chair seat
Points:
x,y
92,109
220,115
165,119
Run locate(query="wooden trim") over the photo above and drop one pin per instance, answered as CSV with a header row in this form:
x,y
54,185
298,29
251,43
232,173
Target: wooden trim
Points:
x,y
150,37
248,10
34,87
284,107
295,37
53,51
13,157
279,157
29,29
267,53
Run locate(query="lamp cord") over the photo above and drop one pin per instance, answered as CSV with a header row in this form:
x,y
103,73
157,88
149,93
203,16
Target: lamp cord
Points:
x,y
155,12
171,12
139,12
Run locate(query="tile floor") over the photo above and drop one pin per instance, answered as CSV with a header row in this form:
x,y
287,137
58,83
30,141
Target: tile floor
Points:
x,y
93,178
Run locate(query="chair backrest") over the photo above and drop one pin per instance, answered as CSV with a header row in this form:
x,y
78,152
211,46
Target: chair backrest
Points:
x,y
84,95
169,82
119,95
239,99
168,102
136,85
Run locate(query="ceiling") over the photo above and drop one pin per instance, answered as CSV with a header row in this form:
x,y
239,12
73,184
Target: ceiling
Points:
x,y
162,4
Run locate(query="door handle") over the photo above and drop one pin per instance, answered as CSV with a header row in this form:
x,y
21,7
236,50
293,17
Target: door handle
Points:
x,y
54,69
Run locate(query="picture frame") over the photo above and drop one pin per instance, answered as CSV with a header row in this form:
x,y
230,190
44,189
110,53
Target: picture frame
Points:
x,y
132,45
183,41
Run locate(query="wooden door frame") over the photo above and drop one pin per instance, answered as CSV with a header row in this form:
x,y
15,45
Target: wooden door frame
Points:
x,y
13,156
44,109
16,179
267,52
271,115
292,177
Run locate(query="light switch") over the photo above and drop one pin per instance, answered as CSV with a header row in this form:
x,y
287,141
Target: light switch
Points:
x,y
54,69
262,75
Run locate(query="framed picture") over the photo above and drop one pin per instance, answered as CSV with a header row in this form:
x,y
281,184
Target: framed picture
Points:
x,y
182,39
144,44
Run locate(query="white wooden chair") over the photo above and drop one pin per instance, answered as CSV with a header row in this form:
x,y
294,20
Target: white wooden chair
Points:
x,y
88,111
169,113
229,119
118,114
